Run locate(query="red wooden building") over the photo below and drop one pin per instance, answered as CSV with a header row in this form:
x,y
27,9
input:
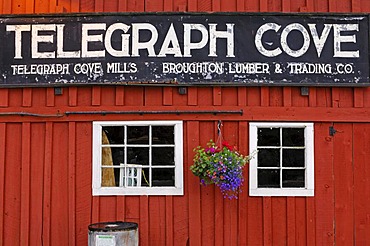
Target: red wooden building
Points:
x,y
47,145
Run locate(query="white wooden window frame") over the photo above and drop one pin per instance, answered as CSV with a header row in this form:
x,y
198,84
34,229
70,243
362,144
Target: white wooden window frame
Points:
x,y
98,190
308,190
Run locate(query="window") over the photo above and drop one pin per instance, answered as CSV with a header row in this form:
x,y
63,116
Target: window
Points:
x,y
137,158
284,164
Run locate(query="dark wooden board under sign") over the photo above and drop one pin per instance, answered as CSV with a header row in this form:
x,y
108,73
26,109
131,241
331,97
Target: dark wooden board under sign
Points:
x,y
188,49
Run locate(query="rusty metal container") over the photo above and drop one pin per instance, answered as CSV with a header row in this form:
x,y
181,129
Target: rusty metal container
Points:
x,y
117,233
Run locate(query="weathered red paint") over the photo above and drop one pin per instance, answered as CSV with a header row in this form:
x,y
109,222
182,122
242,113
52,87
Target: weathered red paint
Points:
x,y
45,162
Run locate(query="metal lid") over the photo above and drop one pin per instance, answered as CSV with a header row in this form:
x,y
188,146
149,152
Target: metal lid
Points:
x,y
113,226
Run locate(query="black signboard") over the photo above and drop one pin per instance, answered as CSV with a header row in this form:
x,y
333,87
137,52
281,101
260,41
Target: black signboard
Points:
x,y
188,49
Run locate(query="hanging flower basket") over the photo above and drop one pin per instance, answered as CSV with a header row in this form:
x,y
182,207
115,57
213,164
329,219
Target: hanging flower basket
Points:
x,y
222,165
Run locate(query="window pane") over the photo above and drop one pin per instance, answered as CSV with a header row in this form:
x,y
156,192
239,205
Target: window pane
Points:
x,y
268,137
110,177
268,178
293,137
145,177
163,176
163,135
293,157
117,155
268,157
113,135
163,156
137,135
293,178
138,155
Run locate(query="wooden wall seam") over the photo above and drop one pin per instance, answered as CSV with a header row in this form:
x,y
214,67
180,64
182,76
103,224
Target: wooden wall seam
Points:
x,y
46,226
2,179
72,183
25,184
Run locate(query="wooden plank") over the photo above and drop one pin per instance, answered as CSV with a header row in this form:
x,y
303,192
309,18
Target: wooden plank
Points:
x,y
240,6
219,219
217,96
122,5
285,6
356,6
2,178
255,221
332,5
84,200
120,96
193,186
291,221
361,148
216,5
144,220
167,96
4,101
50,97
157,218
96,96
208,129
279,221
310,5
265,96
301,229
12,194
192,96
358,97
267,221
72,183
343,180
7,7
310,220
27,97
48,167
263,5
107,208
59,200
335,97
192,5
75,6
30,6
287,96
169,225
312,97
37,150
25,184
95,209
242,96
72,96
168,5
99,6
243,196
153,5
324,185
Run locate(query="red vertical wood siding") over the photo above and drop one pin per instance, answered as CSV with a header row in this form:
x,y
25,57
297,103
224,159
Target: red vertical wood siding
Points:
x,y
45,162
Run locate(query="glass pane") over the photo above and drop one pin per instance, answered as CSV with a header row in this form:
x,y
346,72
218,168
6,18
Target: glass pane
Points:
x,y
163,176
293,137
268,178
145,177
113,135
163,135
139,155
294,178
110,177
163,156
137,135
268,137
293,157
118,155
268,157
